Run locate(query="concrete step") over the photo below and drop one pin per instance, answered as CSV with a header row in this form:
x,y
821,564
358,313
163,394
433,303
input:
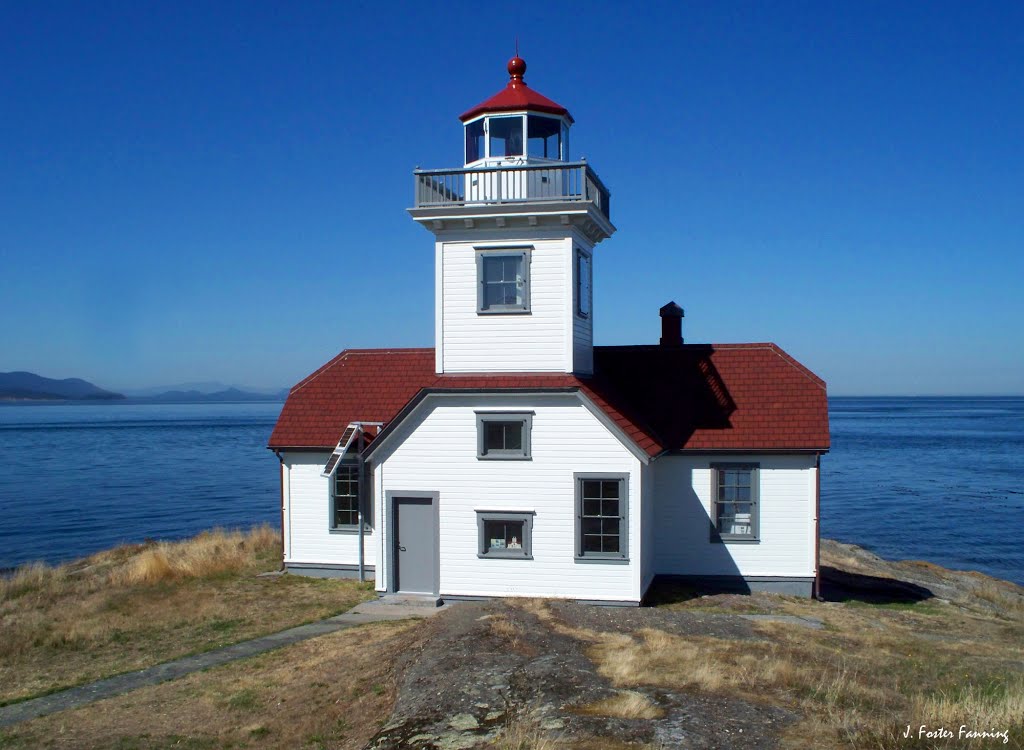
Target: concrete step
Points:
x,y
401,605
411,600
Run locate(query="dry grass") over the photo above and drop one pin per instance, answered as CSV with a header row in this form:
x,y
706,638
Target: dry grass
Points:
x,y
523,732
870,665
999,705
138,605
625,704
334,691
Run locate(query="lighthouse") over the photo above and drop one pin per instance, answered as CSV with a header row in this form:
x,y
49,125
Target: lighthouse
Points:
x,y
515,458
515,229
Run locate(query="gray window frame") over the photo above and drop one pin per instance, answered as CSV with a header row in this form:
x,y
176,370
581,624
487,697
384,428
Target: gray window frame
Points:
x,y
526,517
755,501
525,454
622,555
581,253
523,254
361,504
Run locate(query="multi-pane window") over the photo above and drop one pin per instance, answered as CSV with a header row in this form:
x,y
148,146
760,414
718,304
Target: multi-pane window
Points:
x,y
504,282
505,534
583,284
504,435
345,497
601,516
736,502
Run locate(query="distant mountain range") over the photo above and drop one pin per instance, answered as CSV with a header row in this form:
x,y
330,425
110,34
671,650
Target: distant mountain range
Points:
x,y
228,394
27,386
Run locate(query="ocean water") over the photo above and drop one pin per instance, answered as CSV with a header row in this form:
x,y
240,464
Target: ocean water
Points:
x,y
78,478
937,479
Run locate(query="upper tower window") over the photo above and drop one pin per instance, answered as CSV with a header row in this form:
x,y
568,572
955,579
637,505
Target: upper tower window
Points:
x,y
505,136
503,278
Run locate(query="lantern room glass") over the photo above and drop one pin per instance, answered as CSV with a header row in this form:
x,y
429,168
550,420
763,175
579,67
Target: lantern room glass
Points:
x,y
505,136
514,136
474,141
544,137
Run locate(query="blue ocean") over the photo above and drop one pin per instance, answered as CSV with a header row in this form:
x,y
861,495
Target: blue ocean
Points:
x,y
937,479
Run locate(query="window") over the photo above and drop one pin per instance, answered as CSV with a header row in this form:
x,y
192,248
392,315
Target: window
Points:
x,y
474,141
503,435
345,499
504,283
507,535
601,528
735,510
544,137
506,136
583,285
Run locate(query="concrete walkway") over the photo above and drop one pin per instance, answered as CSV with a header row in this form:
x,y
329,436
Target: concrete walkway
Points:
x,y
371,611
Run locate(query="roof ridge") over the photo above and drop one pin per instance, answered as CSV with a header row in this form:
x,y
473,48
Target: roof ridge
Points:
x,y
392,349
318,372
797,365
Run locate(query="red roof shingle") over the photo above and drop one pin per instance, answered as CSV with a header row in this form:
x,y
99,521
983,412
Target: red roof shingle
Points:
x,y
742,397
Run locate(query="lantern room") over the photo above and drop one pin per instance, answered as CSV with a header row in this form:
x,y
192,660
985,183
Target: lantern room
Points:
x,y
516,126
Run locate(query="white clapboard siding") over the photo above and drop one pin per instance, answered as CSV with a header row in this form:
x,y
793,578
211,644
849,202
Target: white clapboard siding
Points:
x,y
308,538
682,517
537,342
436,451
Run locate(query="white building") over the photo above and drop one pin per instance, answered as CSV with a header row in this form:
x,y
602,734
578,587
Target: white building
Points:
x,y
518,459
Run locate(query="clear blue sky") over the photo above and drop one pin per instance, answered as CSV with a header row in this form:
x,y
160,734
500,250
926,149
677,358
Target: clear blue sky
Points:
x,y
216,191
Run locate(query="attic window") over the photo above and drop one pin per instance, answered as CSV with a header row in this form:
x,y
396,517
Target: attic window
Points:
x,y
504,435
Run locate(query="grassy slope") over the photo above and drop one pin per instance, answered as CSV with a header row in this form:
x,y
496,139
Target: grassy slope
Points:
x,y
329,692
956,658
139,605
876,667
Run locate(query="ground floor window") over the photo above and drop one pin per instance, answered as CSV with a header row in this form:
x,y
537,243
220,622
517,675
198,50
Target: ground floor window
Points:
x,y
346,498
505,534
601,515
735,511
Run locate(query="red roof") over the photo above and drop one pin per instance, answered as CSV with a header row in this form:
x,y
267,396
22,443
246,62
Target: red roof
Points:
x,y
699,397
516,96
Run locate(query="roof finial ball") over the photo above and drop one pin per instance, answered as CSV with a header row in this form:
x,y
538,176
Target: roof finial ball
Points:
x,y
516,69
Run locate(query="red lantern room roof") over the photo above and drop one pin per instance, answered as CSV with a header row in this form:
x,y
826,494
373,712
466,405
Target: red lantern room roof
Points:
x,y
516,96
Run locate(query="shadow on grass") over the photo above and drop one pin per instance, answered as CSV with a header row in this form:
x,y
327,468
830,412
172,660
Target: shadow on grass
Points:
x,y
843,586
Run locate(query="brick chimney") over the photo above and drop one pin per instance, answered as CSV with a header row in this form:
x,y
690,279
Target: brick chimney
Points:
x,y
671,325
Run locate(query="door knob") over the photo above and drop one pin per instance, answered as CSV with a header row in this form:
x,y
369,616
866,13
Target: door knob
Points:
x,y
401,548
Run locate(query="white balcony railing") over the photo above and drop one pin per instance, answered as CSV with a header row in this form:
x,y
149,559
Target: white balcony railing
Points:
x,y
565,181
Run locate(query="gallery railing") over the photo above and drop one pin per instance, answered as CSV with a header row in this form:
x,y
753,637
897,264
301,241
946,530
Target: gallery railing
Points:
x,y
565,181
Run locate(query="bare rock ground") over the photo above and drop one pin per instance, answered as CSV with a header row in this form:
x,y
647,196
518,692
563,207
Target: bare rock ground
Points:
x,y
494,674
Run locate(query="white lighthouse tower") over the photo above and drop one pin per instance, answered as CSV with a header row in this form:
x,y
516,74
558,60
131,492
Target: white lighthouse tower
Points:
x,y
515,231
